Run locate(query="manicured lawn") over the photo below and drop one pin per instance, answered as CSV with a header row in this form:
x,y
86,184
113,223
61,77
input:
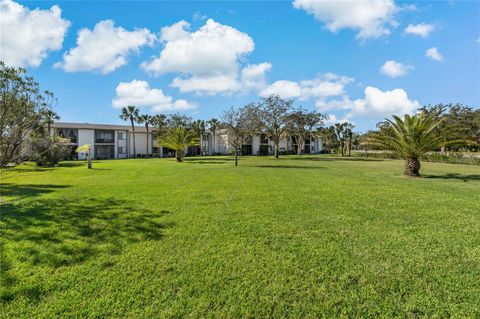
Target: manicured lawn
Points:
x,y
297,237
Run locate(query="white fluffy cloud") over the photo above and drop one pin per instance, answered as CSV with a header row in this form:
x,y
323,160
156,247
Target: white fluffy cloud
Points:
x,y
105,48
421,29
383,103
434,54
208,84
27,36
395,69
208,60
319,88
286,89
375,104
139,93
253,75
369,17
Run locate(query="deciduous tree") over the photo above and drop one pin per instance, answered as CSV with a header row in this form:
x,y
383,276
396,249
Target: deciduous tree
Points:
x,y
240,124
21,106
302,124
274,117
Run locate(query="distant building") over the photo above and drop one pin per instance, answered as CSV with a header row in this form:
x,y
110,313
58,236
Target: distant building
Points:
x,y
116,141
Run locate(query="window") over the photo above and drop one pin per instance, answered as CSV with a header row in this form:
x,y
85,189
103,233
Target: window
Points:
x,y
263,139
104,137
121,136
121,150
104,152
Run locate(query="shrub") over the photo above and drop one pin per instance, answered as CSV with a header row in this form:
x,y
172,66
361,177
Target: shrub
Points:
x,y
452,158
48,150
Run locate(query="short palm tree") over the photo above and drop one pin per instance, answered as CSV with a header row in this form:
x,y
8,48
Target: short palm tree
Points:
x,y
147,120
178,139
412,137
130,113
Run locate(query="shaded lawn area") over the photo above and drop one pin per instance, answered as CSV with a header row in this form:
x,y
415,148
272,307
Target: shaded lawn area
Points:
x,y
309,236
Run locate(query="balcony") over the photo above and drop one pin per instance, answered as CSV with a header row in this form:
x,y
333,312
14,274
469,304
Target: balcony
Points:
x,y
104,137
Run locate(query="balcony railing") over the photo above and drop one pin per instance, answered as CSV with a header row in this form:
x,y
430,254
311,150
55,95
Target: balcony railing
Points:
x,y
105,140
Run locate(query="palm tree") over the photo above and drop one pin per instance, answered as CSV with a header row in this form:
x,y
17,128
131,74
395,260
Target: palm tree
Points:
x,y
340,133
213,123
178,139
130,112
198,127
412,137
147,120
49,117
159,122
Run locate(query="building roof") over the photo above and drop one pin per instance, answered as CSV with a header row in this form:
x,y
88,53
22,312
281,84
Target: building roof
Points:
x,y
96,126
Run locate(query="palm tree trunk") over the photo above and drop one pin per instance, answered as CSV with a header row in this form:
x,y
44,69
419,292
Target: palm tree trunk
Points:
x,y
147,140
133,131
178,156
200,144
213,142
412,166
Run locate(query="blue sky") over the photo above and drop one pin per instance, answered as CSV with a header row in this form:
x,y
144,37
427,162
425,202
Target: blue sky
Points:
x,y
358,61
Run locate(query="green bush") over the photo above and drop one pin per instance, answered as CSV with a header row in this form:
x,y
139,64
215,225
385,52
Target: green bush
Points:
x,y
48,150
452,158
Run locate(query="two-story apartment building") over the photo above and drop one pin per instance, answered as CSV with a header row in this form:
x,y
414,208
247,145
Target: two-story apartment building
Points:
x,y
116,141
107,141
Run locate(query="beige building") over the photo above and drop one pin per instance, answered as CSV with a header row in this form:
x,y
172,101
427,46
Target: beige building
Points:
x,y
116,141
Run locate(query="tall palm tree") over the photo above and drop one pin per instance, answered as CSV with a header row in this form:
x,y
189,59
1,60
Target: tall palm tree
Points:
x,y
147,120
412,137
213,123
131,113
178,139
49,117
198,127
159,122
340,132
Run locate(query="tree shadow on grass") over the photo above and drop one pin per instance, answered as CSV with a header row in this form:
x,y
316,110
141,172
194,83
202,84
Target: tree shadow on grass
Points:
x,y
290,166
465,178
322,158
208,160
26,191
30,167
66,232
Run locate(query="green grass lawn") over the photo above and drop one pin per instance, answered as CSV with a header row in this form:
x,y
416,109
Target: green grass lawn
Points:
x,y
298,237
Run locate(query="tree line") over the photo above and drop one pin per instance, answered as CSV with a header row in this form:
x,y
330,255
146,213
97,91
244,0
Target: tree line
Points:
x,y
273,116
26,115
